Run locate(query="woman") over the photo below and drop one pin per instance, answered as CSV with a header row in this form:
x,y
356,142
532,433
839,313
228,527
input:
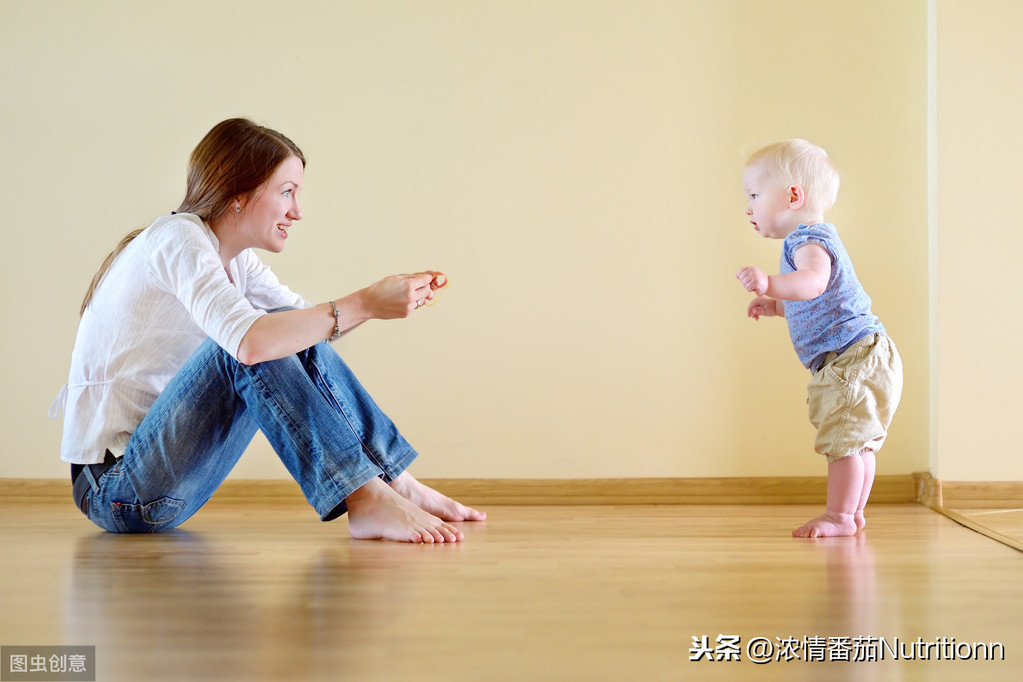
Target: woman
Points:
x,y
177,363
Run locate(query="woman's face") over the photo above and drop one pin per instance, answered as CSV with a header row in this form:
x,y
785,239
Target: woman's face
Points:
x,y
269,215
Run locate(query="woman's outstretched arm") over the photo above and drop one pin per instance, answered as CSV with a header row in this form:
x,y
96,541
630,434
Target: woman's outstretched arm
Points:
x,y
280,334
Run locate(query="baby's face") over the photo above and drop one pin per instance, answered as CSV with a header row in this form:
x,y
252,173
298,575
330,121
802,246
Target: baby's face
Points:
x,y
767,202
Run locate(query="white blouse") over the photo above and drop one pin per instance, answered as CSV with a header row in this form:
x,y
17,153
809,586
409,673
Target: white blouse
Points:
x,y
164,295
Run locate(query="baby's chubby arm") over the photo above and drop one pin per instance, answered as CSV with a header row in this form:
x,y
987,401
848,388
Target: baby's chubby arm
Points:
x,y
810,279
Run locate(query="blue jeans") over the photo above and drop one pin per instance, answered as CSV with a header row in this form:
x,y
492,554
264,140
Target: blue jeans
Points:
x,y
319,419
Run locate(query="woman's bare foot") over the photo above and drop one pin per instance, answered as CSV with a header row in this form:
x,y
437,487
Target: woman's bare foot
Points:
x,y
376,512
432,501
827,525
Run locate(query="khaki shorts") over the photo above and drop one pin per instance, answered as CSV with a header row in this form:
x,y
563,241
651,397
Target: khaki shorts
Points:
x,y
853,397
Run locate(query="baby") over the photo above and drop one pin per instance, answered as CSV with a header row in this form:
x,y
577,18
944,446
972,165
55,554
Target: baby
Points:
x,y
856,371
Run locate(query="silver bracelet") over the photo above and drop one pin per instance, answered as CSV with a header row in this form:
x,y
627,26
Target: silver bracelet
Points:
x,y
337,323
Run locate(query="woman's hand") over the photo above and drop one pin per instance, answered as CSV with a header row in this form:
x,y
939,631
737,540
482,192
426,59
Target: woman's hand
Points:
x,y
398,295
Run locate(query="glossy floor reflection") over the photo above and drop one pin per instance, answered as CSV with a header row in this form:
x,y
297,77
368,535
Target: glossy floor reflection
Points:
x,y
259,592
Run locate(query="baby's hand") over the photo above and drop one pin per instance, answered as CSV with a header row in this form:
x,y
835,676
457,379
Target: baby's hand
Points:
x,y
754,279
762,306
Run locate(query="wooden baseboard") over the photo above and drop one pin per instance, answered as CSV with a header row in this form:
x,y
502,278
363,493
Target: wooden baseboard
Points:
x,y
897,489
758,490
982,494
928,490
919,487
968,494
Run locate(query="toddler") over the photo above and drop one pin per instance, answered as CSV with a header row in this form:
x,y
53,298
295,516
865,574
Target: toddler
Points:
x,y
856,371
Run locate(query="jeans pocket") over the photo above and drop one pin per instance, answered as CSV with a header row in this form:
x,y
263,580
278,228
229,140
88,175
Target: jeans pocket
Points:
x,y
146,518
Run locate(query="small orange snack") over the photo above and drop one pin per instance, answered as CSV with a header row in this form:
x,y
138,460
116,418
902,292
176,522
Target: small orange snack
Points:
x,y
439,281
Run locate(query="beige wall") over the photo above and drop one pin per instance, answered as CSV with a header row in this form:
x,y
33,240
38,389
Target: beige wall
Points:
x,y
574,168
979,241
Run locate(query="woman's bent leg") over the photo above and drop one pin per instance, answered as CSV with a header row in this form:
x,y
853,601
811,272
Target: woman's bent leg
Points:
x,y
323,426
381,441
189,441
314,439
331,436
200,425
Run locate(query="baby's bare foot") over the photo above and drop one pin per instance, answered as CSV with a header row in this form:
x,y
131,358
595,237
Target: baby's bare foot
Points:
x,y
376,512
860,519
827,525
432,501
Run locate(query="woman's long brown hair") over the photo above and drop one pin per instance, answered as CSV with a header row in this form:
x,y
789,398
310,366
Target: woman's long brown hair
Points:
x,y
233,160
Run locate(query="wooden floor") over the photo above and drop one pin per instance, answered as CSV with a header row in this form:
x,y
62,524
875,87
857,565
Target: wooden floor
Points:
x,y
587,593
999,522
1007,523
